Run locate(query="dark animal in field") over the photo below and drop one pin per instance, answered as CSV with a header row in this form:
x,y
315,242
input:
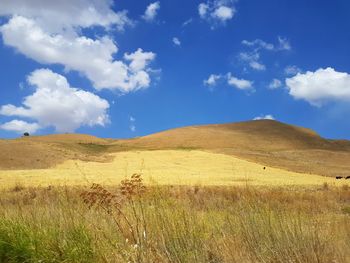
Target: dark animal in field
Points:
x,y
264,168
348,177
339,177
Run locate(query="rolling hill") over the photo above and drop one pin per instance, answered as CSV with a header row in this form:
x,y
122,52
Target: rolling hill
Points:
x,y
267,142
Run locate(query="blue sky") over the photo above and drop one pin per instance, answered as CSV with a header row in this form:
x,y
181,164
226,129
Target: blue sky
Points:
x,y
129,68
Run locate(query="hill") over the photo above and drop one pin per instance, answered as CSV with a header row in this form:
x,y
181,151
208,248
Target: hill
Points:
x,y
39,152
264,141
267,142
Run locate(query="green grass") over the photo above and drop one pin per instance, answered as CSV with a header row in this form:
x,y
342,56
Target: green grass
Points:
x,y
175,224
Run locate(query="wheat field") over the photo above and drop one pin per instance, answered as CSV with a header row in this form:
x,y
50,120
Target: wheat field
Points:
x,y
164,167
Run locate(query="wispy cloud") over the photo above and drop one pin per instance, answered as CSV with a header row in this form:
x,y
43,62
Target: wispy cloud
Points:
x,y
132,125
292,70
252,57
275,84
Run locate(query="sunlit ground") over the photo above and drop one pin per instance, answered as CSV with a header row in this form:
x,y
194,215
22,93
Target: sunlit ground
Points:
x,y
180,167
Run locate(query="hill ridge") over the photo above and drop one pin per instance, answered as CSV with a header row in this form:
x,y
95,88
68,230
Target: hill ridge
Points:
x,y
267,142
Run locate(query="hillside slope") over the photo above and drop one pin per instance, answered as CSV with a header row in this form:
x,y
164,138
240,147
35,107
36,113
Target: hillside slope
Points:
x,y
267,142
39,152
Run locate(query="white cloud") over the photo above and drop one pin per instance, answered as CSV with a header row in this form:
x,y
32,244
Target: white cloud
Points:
x,y
176,41
212,80
239,83
275,84
59,16
139,60
264,117
151,11
292,70
252,59
203,10
19,126
217,11
321,86
93,58
256,46
258,43
56,104
257,65
223,13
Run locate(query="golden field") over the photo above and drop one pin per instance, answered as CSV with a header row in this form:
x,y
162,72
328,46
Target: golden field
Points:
x,y
198,194
164,167
268,143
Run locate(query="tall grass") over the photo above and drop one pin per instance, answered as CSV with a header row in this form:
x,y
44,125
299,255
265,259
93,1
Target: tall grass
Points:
x,y
174,224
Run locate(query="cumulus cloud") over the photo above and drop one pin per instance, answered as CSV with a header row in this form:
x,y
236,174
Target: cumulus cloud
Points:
x,y
56,104
58,16
139,60
275,84
255,47
19,126
212,80
50,32
320,87
264,117
292,70
217,11
93,58
241,84
151,11
176,41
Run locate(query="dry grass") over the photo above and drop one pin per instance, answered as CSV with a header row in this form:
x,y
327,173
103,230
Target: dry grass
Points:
x,y
42,152
181,167
174,224
266,142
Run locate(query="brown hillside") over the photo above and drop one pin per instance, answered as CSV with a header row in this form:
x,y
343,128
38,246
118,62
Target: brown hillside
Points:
x,y
65,138
38,152
261,135
265,141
